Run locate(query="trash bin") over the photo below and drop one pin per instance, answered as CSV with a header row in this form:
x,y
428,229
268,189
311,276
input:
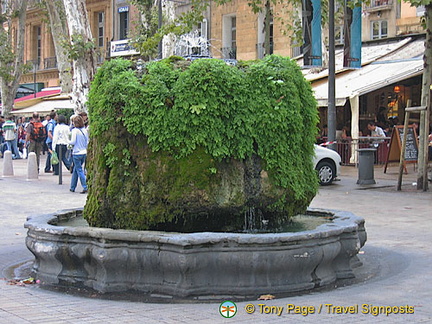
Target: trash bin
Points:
x,y
366,166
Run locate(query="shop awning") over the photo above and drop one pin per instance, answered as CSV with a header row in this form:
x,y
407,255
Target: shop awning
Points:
x,y
367,79
32,99
44,107
43,102
402,63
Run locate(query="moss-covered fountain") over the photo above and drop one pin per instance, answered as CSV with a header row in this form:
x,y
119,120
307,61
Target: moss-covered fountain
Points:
x,y
194,169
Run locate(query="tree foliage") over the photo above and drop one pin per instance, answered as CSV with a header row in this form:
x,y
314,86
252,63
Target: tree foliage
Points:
x,y
11,50
149,35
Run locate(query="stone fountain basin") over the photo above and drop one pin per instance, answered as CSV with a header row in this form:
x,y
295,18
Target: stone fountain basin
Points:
x,y
204,265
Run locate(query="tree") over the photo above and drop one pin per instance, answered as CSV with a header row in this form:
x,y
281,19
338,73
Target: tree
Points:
x,y
11,50
60,36
81,50
422,181
151,32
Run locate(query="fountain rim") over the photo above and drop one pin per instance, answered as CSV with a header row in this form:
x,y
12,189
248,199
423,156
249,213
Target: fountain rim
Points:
x,y
342,221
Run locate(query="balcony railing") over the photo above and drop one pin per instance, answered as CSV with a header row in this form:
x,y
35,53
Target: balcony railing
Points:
x,y
229,52
50,63
34,65
379,5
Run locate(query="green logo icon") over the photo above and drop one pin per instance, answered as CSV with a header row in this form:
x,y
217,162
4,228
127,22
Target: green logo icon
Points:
x,y
228,309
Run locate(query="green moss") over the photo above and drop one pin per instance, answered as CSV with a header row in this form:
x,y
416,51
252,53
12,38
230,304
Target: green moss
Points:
x,y
189,144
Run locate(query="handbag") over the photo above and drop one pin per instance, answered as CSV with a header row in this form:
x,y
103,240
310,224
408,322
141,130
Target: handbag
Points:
x,y
54,158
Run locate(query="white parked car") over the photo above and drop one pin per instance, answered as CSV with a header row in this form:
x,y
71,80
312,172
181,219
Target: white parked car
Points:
x,y
327,163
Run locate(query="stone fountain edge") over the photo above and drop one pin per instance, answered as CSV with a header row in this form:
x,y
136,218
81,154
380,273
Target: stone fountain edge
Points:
x,y
197,265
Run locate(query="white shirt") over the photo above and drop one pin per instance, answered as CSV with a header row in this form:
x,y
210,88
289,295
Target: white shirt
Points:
x,y
61,135
79,139
378,132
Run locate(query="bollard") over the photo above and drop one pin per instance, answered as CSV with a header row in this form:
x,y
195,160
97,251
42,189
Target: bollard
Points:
x,y
32,168
7,164
366,166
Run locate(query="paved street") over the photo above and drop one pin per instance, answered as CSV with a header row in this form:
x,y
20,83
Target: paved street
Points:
x,y
397,259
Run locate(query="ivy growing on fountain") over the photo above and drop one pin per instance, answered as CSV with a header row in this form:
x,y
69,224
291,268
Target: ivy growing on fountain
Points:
x,y
184,145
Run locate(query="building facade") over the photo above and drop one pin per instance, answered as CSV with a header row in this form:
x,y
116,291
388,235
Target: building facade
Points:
x,y
111,23
390,18
238,33
232,31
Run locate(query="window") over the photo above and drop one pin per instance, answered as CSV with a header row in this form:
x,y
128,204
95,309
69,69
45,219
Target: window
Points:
x,y
379,29
229,37
124,24
233,32
421,10
37,33
271,35
100,35
202,28
100,29
5,6
339,34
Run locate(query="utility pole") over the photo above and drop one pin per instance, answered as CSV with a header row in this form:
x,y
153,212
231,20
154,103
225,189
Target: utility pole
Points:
x,y
35,68
331,106
422,178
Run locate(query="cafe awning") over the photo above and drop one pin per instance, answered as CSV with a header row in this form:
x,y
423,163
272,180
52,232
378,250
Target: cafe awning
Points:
x,y
395,64
32,99
44,107
367,79
43,102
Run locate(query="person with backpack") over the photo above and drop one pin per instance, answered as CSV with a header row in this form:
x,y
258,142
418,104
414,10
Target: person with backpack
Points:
x,y
36,136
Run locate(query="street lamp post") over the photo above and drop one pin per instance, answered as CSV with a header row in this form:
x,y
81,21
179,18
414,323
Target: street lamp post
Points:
x,y
331,104
34,76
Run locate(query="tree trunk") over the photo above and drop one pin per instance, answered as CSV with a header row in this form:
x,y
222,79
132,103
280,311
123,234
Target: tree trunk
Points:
x,y
60,33
83,51
267,28
422,182
11,59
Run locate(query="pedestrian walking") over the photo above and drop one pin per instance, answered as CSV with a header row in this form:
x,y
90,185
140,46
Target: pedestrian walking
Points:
x,y
35,136
60,143
79,140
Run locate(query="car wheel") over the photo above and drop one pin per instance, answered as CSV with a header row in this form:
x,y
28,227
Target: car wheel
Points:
x,y
326,172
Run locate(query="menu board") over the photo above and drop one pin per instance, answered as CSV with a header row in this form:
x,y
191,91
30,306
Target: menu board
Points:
x,y
395,146
411,149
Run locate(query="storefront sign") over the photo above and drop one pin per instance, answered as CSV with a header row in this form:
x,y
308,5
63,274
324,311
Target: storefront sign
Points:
x,y
122,48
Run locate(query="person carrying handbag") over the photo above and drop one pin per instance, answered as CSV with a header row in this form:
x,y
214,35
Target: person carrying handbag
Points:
x,y
79,140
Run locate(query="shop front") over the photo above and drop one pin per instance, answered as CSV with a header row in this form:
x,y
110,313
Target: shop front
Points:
x,y
379,92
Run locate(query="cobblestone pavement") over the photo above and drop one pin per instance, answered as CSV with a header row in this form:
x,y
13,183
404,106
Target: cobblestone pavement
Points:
x,y
396,260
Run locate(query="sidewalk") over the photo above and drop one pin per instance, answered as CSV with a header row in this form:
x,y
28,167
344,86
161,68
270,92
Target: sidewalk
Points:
x,y
396,271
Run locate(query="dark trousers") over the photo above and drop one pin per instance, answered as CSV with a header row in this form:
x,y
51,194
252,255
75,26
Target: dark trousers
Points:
x,y
61,151
48,160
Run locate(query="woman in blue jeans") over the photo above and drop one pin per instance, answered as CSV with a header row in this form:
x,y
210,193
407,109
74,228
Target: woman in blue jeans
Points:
x,y
79,140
